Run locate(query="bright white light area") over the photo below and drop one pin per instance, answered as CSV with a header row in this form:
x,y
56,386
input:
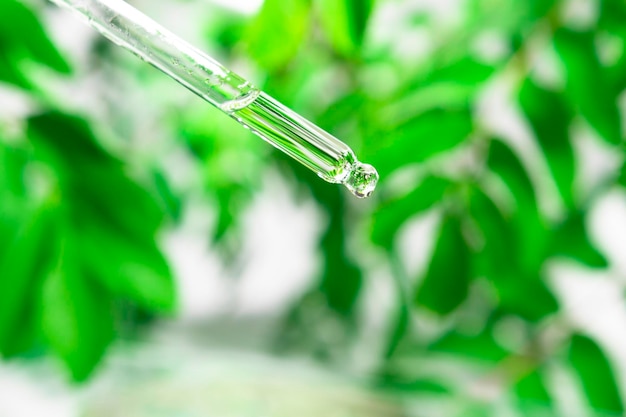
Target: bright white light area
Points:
x,y
247,7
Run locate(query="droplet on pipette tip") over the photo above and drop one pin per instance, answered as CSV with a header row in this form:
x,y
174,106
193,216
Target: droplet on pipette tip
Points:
x,y
362,180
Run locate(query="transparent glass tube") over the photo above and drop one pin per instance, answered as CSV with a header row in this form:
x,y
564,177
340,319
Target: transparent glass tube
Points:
x,y
330,158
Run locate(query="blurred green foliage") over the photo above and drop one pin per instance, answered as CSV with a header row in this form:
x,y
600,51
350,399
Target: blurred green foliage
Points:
x,y
78,225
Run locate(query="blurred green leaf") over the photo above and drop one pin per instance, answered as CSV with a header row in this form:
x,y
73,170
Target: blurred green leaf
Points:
x,y
94,180
570,239
14,209
412,385
467,71
423,136
527,296
587,85
127,268
9,72
540,8
611,20
549,116
345,22
501,259
525,220
227,28
532,395
532,387
401,320
275,35
445,284
69,140
169,199
107,192
499,251
344,109
612,15
23,265
26,332
464,72
106,225
481,346
22,35
596,374
391,215
13,162
77,315
503,161
341,280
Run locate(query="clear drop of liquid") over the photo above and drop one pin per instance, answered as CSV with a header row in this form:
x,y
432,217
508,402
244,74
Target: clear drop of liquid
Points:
x,y
362,180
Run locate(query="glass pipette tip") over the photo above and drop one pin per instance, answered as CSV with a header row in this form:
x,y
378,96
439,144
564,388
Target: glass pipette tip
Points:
x,y
283,128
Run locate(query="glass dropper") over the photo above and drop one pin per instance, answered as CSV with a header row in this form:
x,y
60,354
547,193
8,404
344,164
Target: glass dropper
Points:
x,y
316,149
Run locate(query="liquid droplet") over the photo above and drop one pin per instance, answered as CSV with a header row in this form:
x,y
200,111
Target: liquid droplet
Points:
x,y
362,180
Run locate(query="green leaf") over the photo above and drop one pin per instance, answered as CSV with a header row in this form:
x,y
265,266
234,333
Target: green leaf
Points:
x,y
501,260
570,239
529,230
482,346
503,161
134,270
466,71
345,23
275,35
446,282
587,83
21,33
13,162
549,116
14,209
345,108
401,321
9,72
540,8
463,72
525,220
611,20
411,385
69,138
342,279
226,29
107,223
128,208
26,331
77,315
23,265
94,180
167,196
95,184
612,15
391,215
424,136
527,296
499,249
532,387
532,395
596,374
